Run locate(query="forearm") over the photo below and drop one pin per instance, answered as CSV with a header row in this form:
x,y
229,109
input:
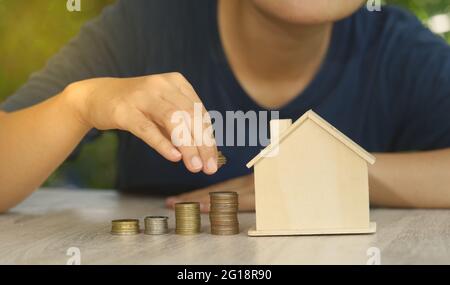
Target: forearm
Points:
x,y
414,180
34,142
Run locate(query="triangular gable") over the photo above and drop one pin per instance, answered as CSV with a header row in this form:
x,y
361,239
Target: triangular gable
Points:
x,y
311,115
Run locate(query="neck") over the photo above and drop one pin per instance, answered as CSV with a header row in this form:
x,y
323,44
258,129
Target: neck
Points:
x,y
268,45
262,49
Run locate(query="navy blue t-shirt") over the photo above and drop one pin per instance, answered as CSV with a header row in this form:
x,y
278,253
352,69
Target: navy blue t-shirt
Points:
x,y
385,81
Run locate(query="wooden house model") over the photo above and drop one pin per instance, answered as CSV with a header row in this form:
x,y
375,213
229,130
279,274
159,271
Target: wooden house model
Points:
x,y
310,180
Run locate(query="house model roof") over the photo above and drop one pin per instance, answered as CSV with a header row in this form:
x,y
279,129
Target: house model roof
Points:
x,y
311,115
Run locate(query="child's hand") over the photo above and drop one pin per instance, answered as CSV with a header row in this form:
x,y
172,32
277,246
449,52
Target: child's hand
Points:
x,y
144,106
244,186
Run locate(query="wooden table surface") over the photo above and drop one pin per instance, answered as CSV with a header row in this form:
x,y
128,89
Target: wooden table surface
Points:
x,y
46,225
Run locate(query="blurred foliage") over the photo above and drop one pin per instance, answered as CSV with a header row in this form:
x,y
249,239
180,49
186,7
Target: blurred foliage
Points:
x,y
424,9
33,30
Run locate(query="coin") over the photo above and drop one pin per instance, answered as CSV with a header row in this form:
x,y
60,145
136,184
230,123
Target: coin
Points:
x,y
125,227
223,213
187,218
221,159
156,225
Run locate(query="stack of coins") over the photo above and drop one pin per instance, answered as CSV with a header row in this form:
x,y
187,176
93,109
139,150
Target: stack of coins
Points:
x,y
125,227
221,159
223,213
156,225
187,216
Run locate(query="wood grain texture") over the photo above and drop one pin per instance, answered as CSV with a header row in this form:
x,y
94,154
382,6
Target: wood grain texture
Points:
x,y
372,228
315,184
41,229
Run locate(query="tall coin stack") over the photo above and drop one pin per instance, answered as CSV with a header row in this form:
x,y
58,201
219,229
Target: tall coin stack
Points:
x,y
223,213
156,225
187,216
125,227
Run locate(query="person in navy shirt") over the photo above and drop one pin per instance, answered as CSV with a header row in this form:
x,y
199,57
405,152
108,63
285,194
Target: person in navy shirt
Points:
x,y
381,78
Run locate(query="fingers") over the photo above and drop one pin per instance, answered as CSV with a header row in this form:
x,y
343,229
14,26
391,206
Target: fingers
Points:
x,y
198,128
247,202
242,185
177,125
146,130
203,199
179,108
201,130
201,196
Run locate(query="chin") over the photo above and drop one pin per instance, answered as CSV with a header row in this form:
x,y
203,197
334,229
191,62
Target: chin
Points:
x,y
308,11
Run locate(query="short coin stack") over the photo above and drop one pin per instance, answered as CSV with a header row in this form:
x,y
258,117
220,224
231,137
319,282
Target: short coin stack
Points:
x,y
125,227
156,225
223,213
221,159
187,216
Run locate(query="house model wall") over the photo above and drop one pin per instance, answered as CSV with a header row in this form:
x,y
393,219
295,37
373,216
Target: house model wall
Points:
x,y
311,179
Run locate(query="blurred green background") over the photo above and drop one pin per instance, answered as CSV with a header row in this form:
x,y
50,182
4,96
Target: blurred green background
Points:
x,y
31,31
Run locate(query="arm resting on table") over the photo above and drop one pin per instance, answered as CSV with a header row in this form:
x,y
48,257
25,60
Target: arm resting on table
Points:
x,y
411,180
